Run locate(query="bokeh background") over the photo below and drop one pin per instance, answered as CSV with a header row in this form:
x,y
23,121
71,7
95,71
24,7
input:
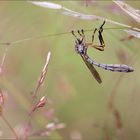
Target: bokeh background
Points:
x,y
79,101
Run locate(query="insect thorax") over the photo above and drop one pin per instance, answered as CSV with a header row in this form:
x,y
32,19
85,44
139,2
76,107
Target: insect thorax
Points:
x,y
80,48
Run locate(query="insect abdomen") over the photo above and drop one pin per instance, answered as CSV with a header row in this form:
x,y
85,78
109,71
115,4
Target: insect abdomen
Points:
x,y
116,67
111,67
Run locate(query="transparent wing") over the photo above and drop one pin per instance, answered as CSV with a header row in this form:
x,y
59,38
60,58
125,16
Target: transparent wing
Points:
x,y
93,70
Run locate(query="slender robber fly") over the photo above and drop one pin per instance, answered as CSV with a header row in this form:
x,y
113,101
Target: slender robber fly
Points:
x,y
81,48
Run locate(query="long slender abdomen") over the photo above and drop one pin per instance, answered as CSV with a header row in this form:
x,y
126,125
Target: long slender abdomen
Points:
x,y
111,67
116,67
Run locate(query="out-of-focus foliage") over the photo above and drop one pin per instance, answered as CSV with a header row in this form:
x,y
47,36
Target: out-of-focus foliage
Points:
x,y
79,101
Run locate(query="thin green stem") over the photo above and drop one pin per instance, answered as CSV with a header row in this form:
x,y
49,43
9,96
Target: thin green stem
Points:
x,y
63,33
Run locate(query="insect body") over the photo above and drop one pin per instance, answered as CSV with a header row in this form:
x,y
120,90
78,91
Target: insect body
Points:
x,y
81,48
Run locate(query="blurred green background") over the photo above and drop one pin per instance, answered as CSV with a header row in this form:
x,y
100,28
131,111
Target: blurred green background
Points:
x,y
79,101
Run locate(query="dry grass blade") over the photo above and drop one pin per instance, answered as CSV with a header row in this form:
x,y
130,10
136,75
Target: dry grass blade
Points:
x,y
1,101
75,14
133,33
3,60
46,4
39,104
43,73
72,13
135,14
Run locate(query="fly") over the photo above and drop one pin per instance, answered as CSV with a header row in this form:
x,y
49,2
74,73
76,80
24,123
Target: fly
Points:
x,y
81,48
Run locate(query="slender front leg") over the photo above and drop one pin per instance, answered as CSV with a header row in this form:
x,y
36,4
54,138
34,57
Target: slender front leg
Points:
x,y
102,44
83,35
74,35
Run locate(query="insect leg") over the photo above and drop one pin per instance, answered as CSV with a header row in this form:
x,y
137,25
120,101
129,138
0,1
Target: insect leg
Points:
x,y
81,33
93,35
101,27
74,34
100,35
101,46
